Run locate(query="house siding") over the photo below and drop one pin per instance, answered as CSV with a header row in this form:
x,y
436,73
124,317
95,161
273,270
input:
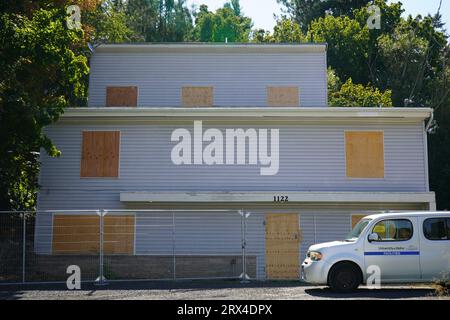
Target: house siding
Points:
x,y
239,79
312,158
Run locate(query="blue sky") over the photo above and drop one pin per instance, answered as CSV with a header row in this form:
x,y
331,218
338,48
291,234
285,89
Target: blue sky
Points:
x,y
262,11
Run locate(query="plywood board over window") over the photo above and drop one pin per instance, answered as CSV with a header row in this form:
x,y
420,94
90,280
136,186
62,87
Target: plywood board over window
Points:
x,y
121,96
100,154
283,96
80,234
364,154
197,96
356,218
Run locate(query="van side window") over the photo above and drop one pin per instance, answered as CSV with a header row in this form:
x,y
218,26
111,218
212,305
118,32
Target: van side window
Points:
x,y
393,230
436,229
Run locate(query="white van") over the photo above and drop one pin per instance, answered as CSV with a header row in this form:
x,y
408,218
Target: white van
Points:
x,y
406,247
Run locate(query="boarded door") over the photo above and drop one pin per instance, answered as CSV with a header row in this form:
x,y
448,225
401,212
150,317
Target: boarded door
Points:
x,y
282,246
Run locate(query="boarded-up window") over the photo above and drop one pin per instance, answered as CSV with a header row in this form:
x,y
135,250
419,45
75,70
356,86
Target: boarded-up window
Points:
x,y
356,218
100,154
80,234
121,96
364,154
197,96
283,96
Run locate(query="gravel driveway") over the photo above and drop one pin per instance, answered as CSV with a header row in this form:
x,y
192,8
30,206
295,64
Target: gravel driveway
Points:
x,y
209,290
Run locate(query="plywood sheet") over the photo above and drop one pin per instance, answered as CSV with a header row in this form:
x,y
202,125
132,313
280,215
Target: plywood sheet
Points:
x,y
80,234
356,218
197,96
282,246
119,234
100,154
121,96
283,96
364,154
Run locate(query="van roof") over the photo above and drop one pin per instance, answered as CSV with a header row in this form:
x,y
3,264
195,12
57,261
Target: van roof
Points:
x,y
409,214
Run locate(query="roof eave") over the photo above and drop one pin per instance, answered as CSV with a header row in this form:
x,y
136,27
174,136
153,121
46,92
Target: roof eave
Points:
x,y
231,47
247,113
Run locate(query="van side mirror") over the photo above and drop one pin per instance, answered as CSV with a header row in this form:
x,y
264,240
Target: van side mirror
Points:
x,y
373,237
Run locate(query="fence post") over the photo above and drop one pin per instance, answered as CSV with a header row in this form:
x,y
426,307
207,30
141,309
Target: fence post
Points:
x,y
174,258
244,277
24,247
101,280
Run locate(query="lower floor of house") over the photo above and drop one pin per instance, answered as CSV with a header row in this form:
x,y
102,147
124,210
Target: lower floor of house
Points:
x,y
193,241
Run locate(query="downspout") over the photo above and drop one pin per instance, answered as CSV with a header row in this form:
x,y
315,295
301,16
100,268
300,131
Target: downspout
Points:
x,y
430,122
431,205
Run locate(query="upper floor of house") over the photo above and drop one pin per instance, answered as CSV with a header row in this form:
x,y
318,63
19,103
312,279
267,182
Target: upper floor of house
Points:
x,y
208,75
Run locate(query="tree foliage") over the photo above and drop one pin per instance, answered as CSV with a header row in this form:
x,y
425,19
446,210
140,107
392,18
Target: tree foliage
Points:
x,y
439,155
285,31
107,23
43,72
351,94
358,95
347,45
226,24
304,12
159,20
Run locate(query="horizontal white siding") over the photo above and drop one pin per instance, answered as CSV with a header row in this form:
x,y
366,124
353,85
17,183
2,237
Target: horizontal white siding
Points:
x,y
239,79
312,158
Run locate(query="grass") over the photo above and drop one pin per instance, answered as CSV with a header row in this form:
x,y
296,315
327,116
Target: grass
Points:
x,y
441,287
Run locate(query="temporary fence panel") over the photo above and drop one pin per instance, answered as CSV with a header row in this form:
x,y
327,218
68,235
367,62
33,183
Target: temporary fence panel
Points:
x,y
57,241
151,253
116,245
12,227
166,244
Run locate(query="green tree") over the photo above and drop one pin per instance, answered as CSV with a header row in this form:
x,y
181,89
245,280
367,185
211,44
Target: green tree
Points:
x,y
159,20
261,36
108,23
350,94
305,11
411,58
358,95
227,23
439,155
43,72
403,57
348,44
285,31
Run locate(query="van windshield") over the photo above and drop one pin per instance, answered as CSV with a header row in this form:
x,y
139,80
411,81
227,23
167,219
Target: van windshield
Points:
x,y
360,226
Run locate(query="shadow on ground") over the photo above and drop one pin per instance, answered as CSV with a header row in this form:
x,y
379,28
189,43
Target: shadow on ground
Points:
x,y
391,293
202,289
16,290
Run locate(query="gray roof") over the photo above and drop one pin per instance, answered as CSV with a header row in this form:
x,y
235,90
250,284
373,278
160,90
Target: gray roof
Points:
x,y
211,47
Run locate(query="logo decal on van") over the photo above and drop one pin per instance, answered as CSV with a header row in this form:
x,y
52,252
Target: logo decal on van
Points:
x,y
392,253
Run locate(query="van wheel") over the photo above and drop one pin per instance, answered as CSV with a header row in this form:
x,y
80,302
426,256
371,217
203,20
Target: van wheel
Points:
x,y
344,277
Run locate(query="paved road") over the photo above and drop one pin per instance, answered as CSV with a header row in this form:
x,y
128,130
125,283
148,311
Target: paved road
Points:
x,y
209,290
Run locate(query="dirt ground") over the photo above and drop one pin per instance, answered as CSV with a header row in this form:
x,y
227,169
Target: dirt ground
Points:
x,y
198,290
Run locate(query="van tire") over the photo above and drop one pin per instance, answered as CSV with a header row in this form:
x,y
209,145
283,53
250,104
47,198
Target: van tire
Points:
x,y
344,277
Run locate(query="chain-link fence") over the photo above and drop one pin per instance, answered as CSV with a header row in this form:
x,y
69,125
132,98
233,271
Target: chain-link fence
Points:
x,y
114,245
